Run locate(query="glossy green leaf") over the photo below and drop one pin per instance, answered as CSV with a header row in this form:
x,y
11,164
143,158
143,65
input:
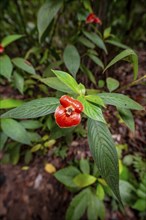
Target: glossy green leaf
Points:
x,y
107,32
91,110
120,100
126,53
84,166
33,109
10,103
95,208
66,176
71,59
24,65
31,124
140,205
68,80
117,44
112,84
96,40
3,139
46,14
96,60
100,192
89,74
15,130
10,38
6,67
56,84
19,82
78,205
104,153
127,117
86,42
95,99
83,180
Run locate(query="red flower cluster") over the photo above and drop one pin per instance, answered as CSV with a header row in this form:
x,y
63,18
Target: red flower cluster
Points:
x,y
68,113
1,49
92,18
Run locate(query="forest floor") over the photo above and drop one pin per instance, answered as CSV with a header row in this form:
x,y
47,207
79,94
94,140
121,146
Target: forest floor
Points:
x,y
34,194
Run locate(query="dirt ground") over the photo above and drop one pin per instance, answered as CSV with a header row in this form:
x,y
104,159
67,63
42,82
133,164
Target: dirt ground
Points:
x,y
34,194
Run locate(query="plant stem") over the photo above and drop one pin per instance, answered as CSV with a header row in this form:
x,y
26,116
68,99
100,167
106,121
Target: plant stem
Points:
x,y
131,84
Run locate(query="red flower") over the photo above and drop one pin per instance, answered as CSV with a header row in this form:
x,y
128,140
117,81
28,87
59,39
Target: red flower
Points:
x,y
68,113
1,49
92,18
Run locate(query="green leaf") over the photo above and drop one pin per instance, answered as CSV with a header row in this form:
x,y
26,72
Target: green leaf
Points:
x,y
95,208
90,75
71,59
31,124
46,14
19,82
107,32
68,80
27,157
66,176
104,153
96,40
10,103
100,192
3,139
84,166
96,60
119,100
126,53
83,180
117,44
91,110
15,130
33,109
95,99
15,154
112,84
6,67
56,84
140,205
24,65
78,205
127,117
34,136
86,42
127,192
9,39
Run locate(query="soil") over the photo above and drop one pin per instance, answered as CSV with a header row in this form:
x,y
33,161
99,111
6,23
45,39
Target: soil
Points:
x,y
34,194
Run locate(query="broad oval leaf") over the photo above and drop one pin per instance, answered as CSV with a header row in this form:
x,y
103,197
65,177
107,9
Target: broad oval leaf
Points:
x,y
33,109
31,124
96,60
19,82
89,74
86,42
78,205
6,67
15,130
84,166
24,65
56,84
126,53
71,59
46,14
9,39
104,153
91,110
127,117
10,103
84,179
95,99
96,39
112,84
66,176
68,80
120,100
